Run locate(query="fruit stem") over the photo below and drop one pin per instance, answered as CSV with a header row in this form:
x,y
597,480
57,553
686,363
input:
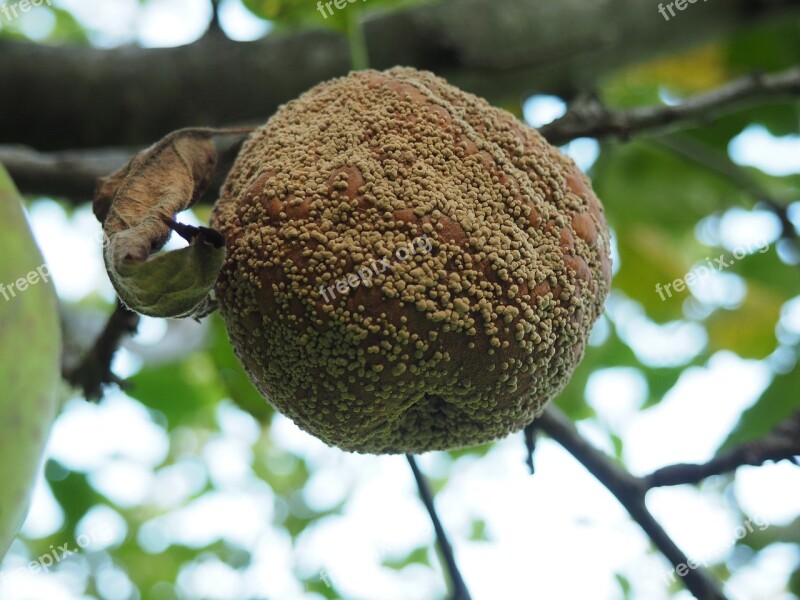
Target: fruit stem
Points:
x,y
460,591
359,57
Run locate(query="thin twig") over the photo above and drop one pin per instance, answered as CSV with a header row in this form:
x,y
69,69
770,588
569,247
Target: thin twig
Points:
x,y
460,591
595,121
214,26
530,431
630,492
783,443
94,371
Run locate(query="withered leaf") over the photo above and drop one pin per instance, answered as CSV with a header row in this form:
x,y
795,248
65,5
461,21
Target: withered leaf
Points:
x,y
137,206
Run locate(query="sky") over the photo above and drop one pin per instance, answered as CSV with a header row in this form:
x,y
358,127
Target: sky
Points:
x,y
542,529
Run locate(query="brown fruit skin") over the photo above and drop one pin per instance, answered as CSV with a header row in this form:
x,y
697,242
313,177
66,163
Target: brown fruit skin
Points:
x,y
453,347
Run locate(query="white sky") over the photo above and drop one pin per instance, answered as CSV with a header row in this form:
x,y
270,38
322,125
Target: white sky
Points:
x,y
558,533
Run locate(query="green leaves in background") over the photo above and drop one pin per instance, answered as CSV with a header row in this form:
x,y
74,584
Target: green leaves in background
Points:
x,y
776,404
643,183
657,191
288,14
613,353
137,205
749,330
235,380
187,391
419,555
65,27
654,199
771,47
74,493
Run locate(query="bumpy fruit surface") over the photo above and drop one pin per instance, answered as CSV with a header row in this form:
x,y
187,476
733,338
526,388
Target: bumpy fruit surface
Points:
x,y
488,250
30,353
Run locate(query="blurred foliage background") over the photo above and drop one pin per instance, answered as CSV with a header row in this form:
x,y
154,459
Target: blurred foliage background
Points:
x,y
205,492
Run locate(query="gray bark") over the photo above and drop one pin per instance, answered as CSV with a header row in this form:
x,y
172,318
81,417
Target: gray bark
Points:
x,y
77,97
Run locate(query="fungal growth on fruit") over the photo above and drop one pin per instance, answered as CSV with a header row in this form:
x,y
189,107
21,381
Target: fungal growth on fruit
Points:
x,y
452,342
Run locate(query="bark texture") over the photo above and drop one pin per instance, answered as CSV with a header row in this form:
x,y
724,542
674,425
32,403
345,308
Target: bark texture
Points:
x,y
77,97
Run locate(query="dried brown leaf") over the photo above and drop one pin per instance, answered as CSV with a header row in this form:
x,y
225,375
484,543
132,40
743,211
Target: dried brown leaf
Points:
x,y
137,206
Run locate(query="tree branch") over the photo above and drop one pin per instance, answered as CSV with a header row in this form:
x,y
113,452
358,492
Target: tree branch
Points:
x,y
530,434
82,97
214,26
94,371
72,175
630,492
783,443
590,119
460,591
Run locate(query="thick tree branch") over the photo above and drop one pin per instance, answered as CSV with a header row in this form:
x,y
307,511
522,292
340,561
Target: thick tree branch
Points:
x,y
72,175
630,492
77,97
94,370
460,591
783,443
589,119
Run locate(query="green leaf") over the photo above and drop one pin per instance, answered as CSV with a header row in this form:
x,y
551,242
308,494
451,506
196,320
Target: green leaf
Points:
x,y
172,284
648,259
641,183
419,556
770,273
749,330
625,585
66,28
182,391
763,534
772,46
75,496
477,451
137,205
293,14
778,402
478,531
235,379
